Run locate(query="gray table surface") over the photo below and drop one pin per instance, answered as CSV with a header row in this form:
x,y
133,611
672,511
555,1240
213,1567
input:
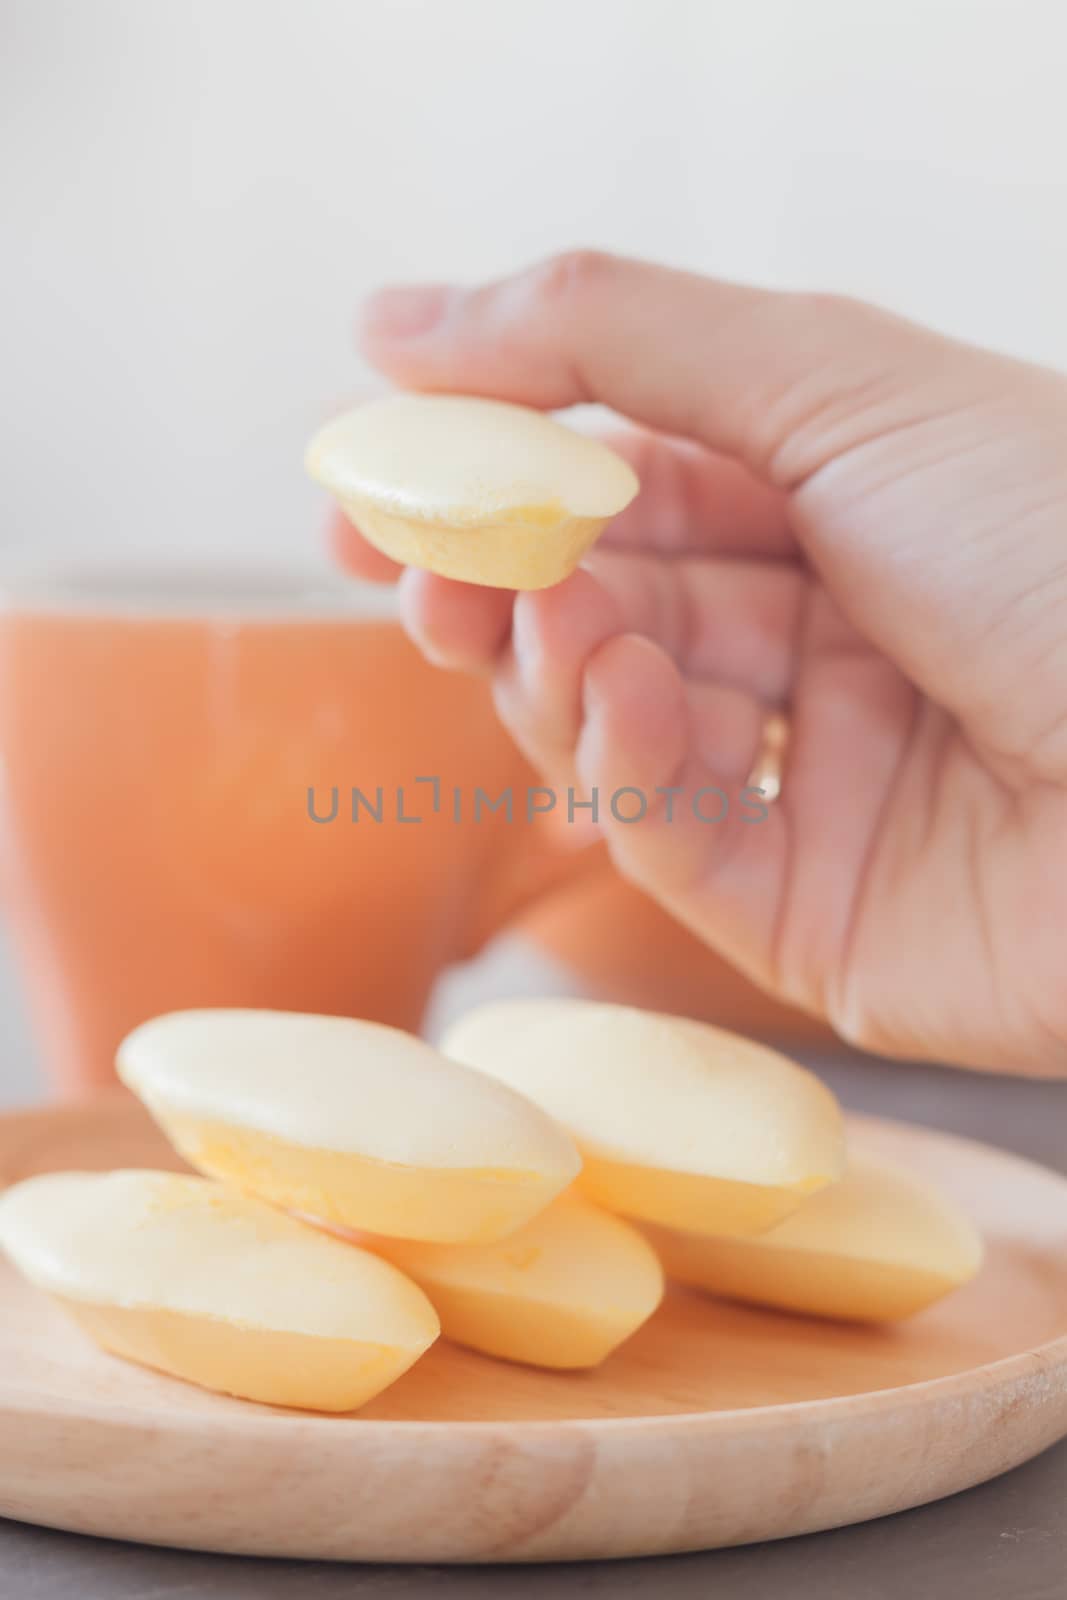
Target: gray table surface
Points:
x,y
1005,1540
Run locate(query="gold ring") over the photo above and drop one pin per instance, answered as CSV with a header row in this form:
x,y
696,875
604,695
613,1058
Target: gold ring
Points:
x,y
769,766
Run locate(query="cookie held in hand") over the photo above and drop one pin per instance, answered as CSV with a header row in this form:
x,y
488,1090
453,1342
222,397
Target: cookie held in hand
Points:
x,y
480,490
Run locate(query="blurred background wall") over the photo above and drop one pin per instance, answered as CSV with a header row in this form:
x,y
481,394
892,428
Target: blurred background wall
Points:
x,y
194,194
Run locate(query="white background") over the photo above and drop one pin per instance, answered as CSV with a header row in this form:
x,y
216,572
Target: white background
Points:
x,y
194,194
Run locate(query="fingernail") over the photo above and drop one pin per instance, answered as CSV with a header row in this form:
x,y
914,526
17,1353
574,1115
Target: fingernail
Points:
x,y
405,313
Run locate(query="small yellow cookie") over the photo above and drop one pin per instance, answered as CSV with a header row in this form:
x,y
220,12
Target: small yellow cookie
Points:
x,y
475,489
191,1278
353,1122
677,1122
563,1291
879,1245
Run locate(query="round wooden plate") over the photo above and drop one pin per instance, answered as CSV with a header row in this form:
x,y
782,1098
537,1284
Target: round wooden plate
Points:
x,y
715,1425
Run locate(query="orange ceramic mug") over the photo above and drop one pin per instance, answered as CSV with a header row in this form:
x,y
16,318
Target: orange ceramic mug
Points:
x,y
177,828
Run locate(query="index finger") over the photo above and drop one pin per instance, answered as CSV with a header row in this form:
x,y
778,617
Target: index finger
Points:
x,y
778,380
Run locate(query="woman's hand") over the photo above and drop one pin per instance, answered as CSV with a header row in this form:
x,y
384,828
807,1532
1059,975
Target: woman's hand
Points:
x,y
843,515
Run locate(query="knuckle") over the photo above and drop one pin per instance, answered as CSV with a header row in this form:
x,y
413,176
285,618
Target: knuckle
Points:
x,y
563,280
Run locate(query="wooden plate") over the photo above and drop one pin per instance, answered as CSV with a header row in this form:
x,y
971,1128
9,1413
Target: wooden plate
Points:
x,y
715,1425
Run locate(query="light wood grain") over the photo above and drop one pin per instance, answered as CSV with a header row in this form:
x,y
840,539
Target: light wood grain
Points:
x,y
715,1425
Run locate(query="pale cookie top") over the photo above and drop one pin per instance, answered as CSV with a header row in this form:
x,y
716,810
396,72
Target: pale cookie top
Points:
x,y
334,1083
659,1091
466,461
162,1241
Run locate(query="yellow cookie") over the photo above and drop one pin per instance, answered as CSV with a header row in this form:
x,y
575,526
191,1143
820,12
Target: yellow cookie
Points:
x,y
353,1122
563,1291
475,489
191,1278
879,1245
677,1122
